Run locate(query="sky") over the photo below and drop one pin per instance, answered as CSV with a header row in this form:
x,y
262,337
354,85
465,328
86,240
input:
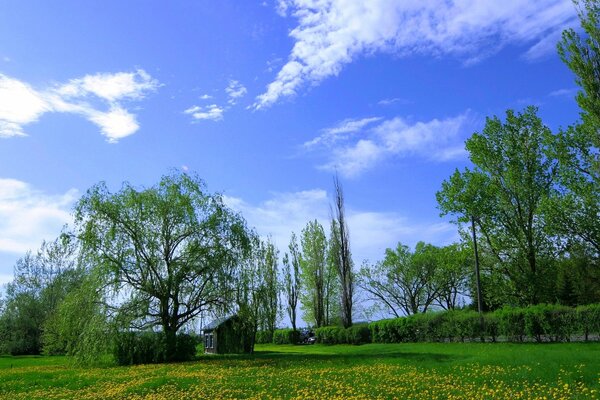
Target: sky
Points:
x,y
265,101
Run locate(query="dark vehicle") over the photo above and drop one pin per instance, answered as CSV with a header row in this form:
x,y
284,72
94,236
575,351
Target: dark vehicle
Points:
x,y
307,336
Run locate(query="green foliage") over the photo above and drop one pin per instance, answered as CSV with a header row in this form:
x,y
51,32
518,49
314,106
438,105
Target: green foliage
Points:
x,y
286,336
356,334
314,272
132,348
512,178
263,337
170,252
541,322
588,319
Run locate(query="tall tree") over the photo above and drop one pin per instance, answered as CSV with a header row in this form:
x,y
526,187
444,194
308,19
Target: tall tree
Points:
x,y
339,233
511,178
291,278
170,250
575,207
312,299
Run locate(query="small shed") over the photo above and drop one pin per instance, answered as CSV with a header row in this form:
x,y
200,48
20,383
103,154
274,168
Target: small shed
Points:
x,y
227,335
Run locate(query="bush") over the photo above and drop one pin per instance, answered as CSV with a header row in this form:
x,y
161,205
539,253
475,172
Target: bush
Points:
x,y
151,347
587,319
263,337
511,323
357,334
286,336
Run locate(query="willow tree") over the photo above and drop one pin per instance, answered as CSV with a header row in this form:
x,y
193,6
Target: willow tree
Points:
x,y
169,251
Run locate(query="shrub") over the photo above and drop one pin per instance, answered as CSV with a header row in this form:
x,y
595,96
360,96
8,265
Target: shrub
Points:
x,y
511,322
151,347
263,337
587,320
286,336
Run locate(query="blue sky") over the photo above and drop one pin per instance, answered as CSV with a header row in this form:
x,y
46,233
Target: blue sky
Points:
x,y
265,100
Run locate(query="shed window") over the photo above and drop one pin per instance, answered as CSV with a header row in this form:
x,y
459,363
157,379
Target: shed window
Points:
x,y
210,341
206,341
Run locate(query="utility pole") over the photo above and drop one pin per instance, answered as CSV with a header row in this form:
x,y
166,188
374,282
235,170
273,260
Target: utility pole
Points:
x,y
477,278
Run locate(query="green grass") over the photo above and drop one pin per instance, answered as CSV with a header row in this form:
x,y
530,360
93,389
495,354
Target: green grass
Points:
x,y
421,370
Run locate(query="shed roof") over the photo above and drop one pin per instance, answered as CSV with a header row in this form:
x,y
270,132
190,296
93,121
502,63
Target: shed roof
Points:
x,y
215,324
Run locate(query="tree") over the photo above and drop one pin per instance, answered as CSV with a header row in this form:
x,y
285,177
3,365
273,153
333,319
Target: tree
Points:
x,y
313,267
41,282
574,210
343,259
452,274
269,293
169,251
257,291
511,178
291,278
404,281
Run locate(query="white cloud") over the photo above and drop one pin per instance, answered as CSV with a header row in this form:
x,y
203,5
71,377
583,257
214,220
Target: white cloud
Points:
x,y
115,124
371,232
28,216
111,87
212,112
206,97
332,33
436,140
20,104
340,131
235,90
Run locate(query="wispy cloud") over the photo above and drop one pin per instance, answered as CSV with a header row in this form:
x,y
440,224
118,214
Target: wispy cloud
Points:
x,y
563,93
29,216
340,132
235,90
212,112
332,33
395,100
436,140
370,232
20,104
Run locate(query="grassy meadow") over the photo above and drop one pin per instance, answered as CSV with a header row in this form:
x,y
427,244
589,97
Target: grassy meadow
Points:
x,y
375,371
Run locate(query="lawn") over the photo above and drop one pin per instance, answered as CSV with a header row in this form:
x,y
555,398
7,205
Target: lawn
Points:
x,y
378,371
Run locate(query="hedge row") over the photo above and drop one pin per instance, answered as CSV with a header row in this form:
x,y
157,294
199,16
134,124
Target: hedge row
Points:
x,y
286,336
357,334
151,347
540,323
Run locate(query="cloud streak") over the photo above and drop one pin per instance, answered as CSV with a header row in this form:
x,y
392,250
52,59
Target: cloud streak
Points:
x,y
437,140
21,104
332,33
28,216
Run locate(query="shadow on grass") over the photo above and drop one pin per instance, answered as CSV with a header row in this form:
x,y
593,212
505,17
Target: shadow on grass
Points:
x,y
396,356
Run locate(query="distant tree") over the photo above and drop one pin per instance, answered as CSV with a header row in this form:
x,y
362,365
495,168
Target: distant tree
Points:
x,y
404,281
455,266
511,179
169,251
270,287
333,287
41,282
343,261
291,278
313,269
